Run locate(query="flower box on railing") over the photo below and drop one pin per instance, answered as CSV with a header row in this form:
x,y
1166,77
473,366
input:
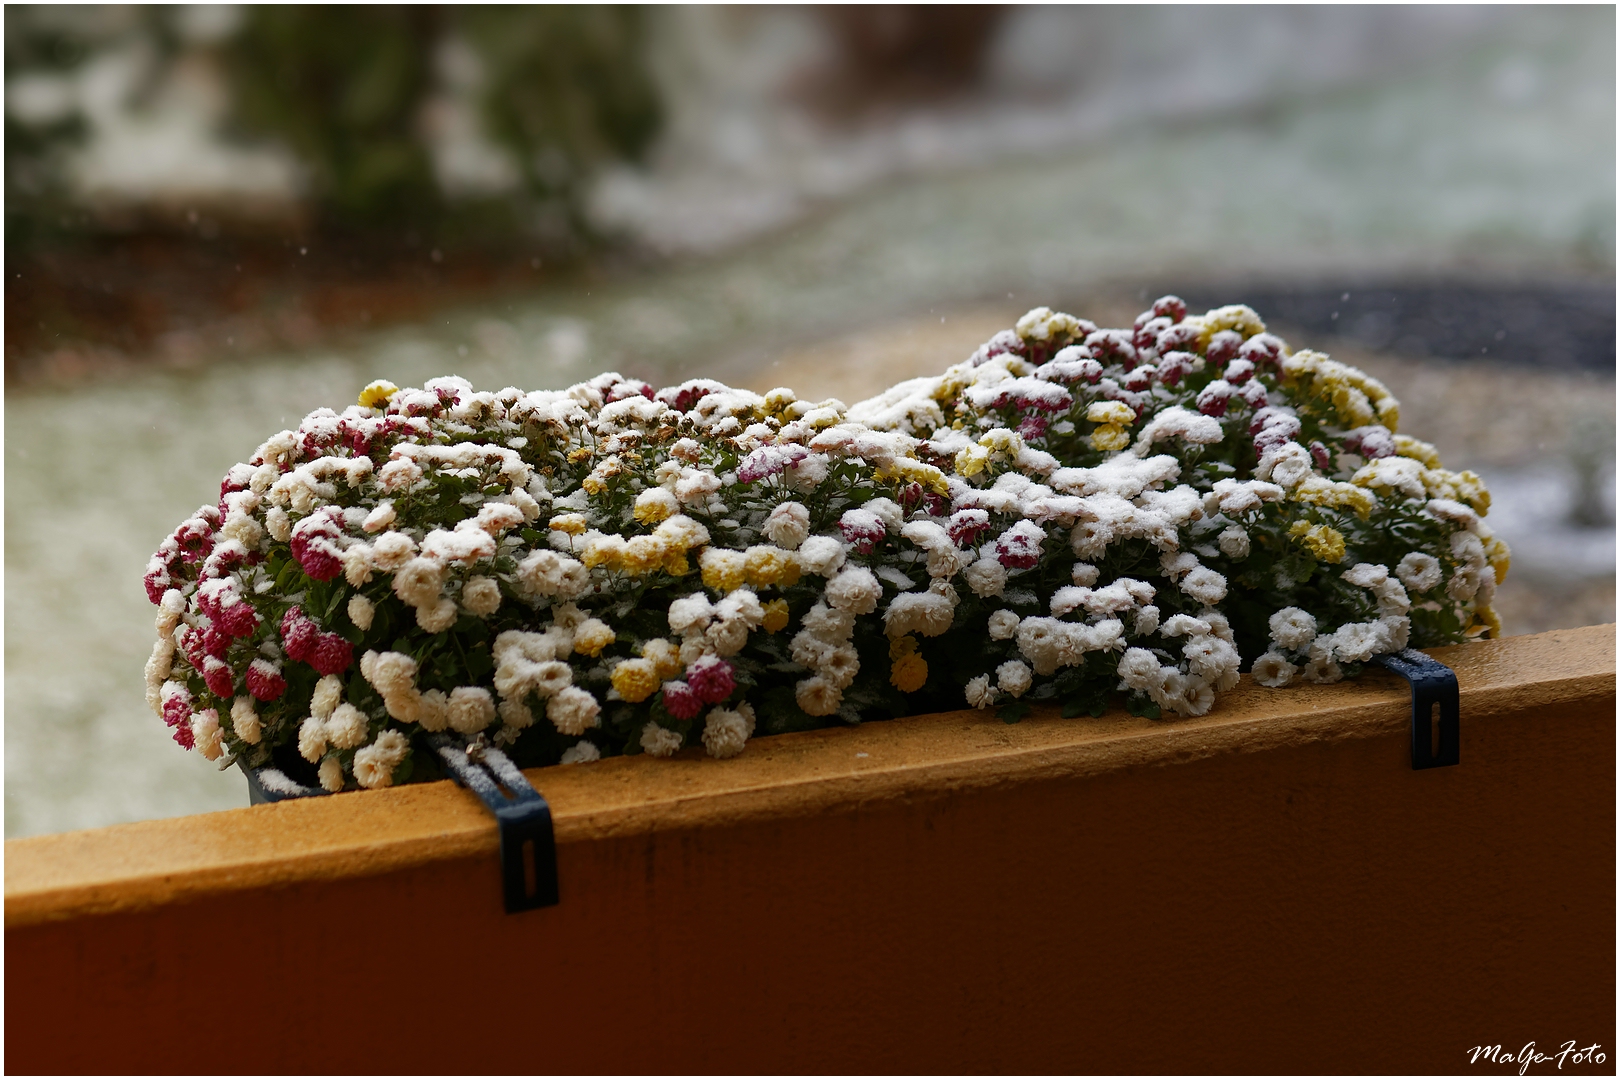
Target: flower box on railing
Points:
x,y
1269,887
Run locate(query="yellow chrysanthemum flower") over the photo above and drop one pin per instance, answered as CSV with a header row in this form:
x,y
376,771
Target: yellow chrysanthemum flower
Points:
x,y
579,454
644,554
1488,621
654,505
776,616
1319,491
1499,556
909,673
676,565
665,657
1408,447
592,636
763,565
1471,490
723,570
572,524
902,646
376,395
636,680
1109,438
1239,317
1111,412
1322,541
972,460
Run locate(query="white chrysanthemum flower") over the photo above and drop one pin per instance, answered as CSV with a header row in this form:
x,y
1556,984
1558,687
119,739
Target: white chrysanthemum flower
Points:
x,y
206,733
1366,575
1293,628
347,727
481,596
389,672
788,525
818,696
1139,670
1003,625
1418,571
392,550
438,616
725,732
929,614
418,582
829,624
581,753
331,773
328,692
659,741
1273,669
1181,624
399,474
980,694
278,524
1318,670
380,518
372,768
1358,642
727,636
470,709
1014,677
572,710
1392,598
855,590
820,555
311,739
1147,621
245,720
1233,542
1205,586
514,714
1083,574
361,612
986,577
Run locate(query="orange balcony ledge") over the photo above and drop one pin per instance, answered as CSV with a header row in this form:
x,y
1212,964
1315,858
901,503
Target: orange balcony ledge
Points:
x,y
1269,888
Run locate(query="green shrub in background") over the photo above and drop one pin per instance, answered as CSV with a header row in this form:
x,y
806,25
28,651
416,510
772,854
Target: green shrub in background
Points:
x,y
564,89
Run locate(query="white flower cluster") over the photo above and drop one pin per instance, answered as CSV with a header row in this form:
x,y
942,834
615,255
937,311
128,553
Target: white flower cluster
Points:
x,y
1070,514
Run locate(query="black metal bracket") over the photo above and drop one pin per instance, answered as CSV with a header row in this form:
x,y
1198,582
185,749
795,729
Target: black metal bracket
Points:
x,y
528,847
1432,684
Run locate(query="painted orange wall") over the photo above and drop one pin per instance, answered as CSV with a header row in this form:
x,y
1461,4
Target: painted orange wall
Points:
x,y
1267,889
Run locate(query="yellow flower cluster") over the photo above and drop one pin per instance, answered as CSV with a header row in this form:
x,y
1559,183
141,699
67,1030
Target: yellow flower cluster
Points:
x,y
1357,399
664,548
1320,491
911,471
907,670
636,680
1464,487
1114,419
1323,541
1239,317
1418,450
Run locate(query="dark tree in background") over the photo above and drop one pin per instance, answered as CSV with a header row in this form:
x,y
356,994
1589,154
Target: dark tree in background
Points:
x,y
565,90
341,86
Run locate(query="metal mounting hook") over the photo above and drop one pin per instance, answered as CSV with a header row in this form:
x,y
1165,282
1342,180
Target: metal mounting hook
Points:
x,y
1432,684
528,847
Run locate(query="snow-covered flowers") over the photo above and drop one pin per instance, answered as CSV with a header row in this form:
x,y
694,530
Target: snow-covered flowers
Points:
x,y
1069,514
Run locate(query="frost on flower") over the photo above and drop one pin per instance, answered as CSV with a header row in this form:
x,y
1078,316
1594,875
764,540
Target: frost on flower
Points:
x,y
1071,513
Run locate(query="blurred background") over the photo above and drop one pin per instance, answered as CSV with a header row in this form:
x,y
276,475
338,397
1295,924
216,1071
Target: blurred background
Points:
x,y
218,219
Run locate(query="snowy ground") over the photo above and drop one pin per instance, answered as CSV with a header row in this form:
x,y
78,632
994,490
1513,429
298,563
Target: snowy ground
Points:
x,y
1472,166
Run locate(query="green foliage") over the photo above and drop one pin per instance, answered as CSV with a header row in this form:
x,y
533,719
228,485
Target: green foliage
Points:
x,y
342,85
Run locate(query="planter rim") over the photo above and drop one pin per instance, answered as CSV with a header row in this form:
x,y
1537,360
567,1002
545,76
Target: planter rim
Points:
x,y
838,770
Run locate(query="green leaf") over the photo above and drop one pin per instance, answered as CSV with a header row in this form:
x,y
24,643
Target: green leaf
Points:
x,y
1013,711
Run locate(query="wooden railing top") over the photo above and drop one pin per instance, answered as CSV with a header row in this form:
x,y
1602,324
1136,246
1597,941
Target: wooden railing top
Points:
x,y
140,865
